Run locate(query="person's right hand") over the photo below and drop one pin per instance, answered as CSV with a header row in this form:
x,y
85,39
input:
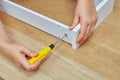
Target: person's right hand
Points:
x,y
20,55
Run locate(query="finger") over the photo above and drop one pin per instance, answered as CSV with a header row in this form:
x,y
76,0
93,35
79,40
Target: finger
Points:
x,y
86,35
35,66
88,31
18,64
75,22
24,63
93,27
91,30
32,67
82,32
29,52
29,67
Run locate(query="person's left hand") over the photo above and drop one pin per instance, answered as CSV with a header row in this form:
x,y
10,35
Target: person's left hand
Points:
x,y
87,16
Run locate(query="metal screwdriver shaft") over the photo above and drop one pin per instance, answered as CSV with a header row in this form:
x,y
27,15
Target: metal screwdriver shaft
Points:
x,y
42,54
60,39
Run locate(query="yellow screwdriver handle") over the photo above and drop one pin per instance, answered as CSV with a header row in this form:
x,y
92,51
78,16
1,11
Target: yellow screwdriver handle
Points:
x,y
41,55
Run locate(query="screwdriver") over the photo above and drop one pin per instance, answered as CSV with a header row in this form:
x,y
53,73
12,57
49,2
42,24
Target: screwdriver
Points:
x,y
43,53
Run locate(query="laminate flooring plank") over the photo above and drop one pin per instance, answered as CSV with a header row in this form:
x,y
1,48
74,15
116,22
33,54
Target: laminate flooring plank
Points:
x,y
54,67
59,10
101,53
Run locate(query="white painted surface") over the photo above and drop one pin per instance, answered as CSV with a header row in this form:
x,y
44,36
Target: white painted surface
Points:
x,y
97,2
51,26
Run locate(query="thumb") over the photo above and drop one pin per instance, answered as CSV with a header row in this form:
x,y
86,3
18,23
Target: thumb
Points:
x,y
29,52
75,22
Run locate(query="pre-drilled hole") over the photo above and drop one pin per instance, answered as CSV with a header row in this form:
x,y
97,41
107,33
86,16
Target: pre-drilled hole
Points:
x,y
65,35
58,25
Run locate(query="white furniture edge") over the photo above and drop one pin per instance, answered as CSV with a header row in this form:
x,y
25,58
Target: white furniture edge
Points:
x,y
51,26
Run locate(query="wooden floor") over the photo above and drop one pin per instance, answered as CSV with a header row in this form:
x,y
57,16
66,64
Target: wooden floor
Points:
x,y
59,10
97,59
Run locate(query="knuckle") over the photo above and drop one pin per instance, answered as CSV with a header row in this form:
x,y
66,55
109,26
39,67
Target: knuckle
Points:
x,y
95,18
30,51
89,20
75,22
82,35
23,47
19,65
92,20
35,68
86,21
29,68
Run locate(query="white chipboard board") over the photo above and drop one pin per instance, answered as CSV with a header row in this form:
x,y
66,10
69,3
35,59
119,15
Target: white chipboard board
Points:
x,y
53,27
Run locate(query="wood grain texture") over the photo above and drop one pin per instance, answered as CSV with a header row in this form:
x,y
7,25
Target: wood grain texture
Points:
x,y
59,10
1,78
54,67
101,53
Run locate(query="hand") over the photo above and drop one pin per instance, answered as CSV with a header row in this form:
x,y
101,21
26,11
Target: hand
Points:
x,y
87,16
20,55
